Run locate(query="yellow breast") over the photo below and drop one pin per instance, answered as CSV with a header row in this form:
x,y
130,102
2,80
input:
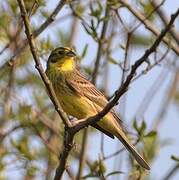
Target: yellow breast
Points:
x,y
75,105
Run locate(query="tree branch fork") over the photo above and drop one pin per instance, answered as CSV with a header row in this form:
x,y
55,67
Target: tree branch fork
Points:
x,y
70,129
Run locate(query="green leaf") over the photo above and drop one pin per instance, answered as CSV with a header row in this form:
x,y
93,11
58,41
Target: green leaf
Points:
x,y
96,12
32,170
143,127
26,109
88,70
99,167
79,9
87,28
114,4
114,173
113,61
44,13
94,166
102,167
147,8
151,134
2,166
13,5
141,40
135,125
89,176
84,51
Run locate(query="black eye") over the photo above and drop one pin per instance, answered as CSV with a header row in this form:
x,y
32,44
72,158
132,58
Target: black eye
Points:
x,y
60,52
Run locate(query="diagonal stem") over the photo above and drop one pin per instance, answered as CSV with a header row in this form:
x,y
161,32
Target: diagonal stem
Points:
x,y
150,26
39,66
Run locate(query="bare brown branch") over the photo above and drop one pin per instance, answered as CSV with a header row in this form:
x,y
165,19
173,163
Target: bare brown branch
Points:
x,y
150,26
126,83
165,20
171,172
100,45
39,66
70,132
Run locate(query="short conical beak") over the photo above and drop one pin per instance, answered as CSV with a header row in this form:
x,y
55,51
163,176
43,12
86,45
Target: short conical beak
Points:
x,y
71,54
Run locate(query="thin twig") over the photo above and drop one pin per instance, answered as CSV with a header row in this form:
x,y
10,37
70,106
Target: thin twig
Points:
x,y
129,36
47,122
6,134
9,90
114,154
164,18
70,174
5,47
82,154
100,44
124,72
171,172
46,143
94,77
74,28
50,19
39,66
150,14
37,32
150,26
14,39
151,66
155,87
34,7
169,93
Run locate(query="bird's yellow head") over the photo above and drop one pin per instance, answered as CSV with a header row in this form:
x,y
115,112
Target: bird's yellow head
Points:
x,y
62,59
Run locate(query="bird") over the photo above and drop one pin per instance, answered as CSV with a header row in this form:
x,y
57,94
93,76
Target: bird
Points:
x,y
81,99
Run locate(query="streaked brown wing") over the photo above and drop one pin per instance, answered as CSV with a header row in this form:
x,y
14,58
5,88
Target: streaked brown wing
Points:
x,y
80,85
83,87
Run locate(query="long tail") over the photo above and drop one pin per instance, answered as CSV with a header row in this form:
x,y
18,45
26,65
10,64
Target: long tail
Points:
x,y
121,136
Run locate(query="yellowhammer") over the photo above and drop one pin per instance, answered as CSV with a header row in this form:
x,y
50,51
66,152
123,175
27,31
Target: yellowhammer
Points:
x,y
81,99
